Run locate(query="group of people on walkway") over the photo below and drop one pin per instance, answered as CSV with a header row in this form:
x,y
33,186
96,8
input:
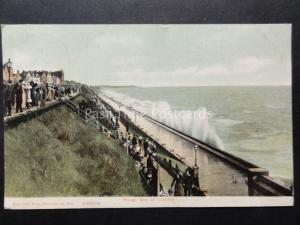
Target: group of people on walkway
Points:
x,y
24,95
136,146
143,150
140,148
101,114
184,183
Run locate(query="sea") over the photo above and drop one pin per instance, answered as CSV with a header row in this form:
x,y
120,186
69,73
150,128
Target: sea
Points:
x,y
251,122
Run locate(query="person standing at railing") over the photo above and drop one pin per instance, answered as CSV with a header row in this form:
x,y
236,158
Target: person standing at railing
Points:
x,y
28,95
33,93
38,95
49,92
9,96
24,94
18,92
43,94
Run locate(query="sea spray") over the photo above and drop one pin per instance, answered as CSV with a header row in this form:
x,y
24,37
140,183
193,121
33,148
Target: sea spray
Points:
x,y
195,123
192,122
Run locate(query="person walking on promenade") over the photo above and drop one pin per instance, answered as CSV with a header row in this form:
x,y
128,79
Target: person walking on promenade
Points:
x,y
9,97
18,92
153,147
134,141
150,162
177,180
146,145
188,182
140,142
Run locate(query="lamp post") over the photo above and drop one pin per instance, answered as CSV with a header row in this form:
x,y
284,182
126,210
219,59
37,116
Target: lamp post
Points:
x,y
196,169
196,149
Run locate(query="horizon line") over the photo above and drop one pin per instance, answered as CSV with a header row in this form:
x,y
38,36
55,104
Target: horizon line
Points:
x,y
150,86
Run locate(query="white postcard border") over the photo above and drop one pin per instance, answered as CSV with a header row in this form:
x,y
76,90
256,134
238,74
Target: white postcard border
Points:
x,y
144,202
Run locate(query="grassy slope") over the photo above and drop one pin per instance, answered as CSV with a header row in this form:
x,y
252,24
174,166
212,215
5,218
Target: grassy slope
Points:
x,y
58,155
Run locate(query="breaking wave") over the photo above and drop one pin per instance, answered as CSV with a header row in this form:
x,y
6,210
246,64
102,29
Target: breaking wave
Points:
x,y
194,123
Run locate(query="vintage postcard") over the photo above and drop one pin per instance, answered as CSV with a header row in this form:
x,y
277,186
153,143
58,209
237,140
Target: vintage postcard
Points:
x,y
117,116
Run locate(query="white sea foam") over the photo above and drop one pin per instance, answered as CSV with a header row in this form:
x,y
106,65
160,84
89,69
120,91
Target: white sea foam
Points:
x,y
228,122
195,123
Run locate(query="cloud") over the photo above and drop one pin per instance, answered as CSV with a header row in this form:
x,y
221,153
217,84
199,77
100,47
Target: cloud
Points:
x,y
130,73
237,66
251,64
206,71
242,71
128,62
214,70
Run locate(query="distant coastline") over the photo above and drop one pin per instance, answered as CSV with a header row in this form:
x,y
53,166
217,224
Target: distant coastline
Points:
x,y
114,86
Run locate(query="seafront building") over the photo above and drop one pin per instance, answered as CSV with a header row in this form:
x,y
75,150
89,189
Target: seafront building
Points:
x,y
39,77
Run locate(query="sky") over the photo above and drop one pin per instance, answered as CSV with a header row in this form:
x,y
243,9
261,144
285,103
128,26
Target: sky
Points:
x,y
154,55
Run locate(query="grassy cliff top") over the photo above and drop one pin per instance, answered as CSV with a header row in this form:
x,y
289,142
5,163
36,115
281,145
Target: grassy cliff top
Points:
x,y
58,155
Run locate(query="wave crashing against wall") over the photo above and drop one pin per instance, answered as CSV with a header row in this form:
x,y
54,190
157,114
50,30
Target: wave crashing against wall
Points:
x,y
195,123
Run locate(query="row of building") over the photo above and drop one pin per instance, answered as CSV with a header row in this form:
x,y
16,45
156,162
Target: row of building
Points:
x,y
39,77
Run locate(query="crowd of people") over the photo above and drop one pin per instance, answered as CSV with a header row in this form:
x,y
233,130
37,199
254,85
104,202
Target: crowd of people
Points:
x,y
143,150
104,115
184,183
24,95
140,148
